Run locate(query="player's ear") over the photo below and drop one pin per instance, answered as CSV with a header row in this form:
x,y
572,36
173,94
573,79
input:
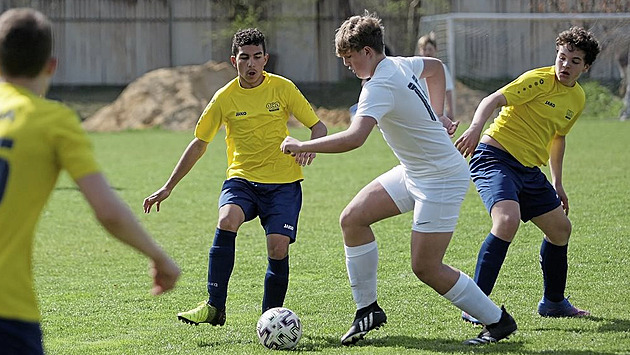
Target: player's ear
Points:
x,y
266,59
51,66
233,61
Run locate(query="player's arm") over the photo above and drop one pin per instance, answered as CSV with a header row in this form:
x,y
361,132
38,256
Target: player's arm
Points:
x,y
468,141
448,99
556,157
435,76
340,142
193,152
317,130
433,72
120,222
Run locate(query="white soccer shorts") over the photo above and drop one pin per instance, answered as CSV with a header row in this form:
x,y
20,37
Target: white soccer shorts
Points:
x,y
435,203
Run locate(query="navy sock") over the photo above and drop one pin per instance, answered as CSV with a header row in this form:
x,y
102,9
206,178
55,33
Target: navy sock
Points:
x,y
489,262
220,266
554,265
276,283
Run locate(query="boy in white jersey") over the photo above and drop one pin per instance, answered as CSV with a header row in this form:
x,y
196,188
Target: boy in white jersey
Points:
x,y
431,180
261,181
539,109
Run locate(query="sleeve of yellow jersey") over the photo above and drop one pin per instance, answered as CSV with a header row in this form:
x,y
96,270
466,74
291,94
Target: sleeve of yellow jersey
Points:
x,y
525,88
209,121
301,108
73,148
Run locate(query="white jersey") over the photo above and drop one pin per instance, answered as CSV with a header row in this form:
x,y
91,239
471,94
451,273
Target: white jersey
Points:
x,y
408,123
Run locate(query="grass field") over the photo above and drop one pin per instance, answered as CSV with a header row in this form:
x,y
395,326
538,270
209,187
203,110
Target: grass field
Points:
x,y
94,294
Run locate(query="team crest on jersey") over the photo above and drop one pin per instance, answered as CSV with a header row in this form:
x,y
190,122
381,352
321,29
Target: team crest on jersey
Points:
x,y
569,114
273,106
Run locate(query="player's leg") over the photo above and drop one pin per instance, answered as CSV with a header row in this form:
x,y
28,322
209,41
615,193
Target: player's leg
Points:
x,y
279,209
553,262
436,210
505,222
493,172
277,275
384,197
235,207
427,252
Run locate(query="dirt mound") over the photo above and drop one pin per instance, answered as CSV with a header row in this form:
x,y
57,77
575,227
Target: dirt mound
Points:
x,y
171,98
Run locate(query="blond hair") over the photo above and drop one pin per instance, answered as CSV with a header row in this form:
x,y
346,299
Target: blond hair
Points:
x,y
358,32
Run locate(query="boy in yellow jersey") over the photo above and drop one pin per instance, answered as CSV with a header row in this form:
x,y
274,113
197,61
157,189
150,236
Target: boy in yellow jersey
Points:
x,y
539,109
261,180
38,139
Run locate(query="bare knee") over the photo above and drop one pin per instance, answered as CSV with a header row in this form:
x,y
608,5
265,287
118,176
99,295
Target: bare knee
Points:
x,y
277,246
423,270
230,219
505,225
561,234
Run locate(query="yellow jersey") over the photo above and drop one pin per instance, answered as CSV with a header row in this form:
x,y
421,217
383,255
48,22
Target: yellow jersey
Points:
x,y
38,138
255,124
538,107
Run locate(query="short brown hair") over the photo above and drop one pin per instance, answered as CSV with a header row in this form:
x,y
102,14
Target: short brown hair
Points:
x,y
577,37
358,32
25,42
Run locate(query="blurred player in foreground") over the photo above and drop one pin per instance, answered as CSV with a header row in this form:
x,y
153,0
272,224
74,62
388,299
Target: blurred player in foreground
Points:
x,y
432,179
38,139
539,109
261,181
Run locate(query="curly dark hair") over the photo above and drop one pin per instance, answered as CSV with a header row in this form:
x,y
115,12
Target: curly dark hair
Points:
x,y
577,37
246,37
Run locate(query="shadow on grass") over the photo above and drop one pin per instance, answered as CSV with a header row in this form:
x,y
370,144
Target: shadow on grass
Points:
x,y
447,346
607,325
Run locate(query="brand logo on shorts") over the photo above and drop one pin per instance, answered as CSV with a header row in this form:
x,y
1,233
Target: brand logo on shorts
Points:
x,y
289,227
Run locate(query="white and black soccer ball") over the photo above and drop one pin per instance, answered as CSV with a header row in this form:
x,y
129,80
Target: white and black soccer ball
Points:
x,y
279,328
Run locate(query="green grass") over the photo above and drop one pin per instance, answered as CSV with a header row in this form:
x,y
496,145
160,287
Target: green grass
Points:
x,y
94,294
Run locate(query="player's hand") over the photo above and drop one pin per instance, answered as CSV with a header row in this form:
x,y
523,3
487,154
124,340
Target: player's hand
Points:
x,y
449,125
165,274
291,146
467,142
564,199
156,198
304,158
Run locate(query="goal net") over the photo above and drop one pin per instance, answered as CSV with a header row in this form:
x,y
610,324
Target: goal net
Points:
x,y
487,50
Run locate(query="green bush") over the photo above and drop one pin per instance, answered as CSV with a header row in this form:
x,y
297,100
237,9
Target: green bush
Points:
x,y
601,103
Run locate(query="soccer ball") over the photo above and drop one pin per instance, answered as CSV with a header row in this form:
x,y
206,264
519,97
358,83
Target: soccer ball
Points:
x,y
279,328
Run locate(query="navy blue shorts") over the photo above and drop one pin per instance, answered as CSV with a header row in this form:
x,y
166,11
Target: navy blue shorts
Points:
x,y
23,338
277,205
499,176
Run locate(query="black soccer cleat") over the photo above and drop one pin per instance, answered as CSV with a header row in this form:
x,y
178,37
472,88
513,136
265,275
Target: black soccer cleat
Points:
x,y
366,319
492,333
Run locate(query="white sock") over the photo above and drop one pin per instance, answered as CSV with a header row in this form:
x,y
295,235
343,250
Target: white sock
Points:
x,y
468,297
362,262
